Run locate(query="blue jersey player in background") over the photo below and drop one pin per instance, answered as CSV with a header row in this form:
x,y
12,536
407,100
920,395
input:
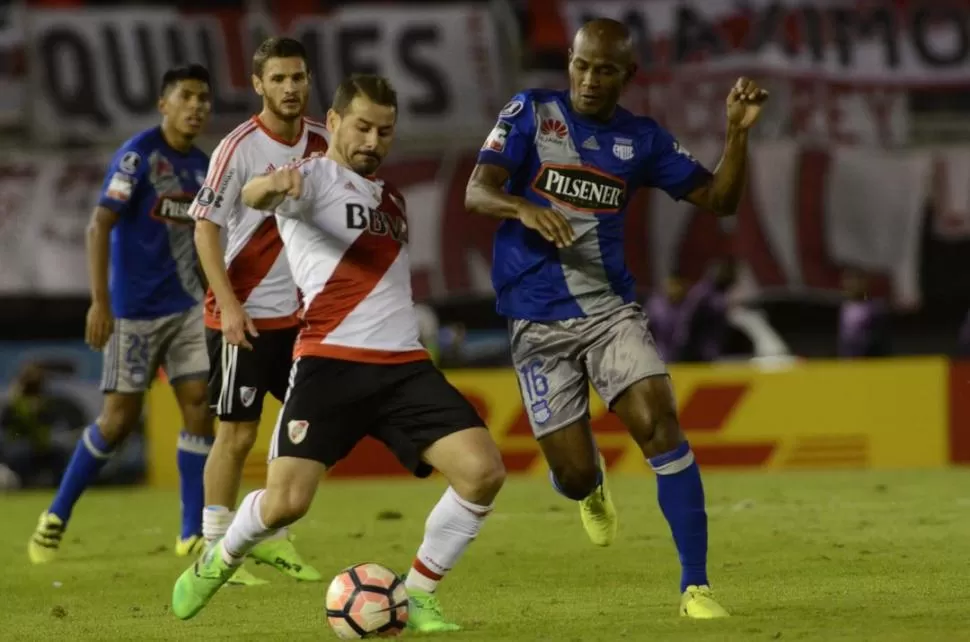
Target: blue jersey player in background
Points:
x,y
145,304
560,168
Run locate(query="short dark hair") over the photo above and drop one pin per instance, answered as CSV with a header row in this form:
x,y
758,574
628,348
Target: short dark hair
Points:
x,y
188,72
278,48
376,89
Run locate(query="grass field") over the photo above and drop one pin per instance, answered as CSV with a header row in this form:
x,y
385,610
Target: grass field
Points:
x,y
800,556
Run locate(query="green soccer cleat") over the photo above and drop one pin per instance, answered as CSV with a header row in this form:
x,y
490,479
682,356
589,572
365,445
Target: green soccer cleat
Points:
x,y
242,577
280,553
424,613
199,582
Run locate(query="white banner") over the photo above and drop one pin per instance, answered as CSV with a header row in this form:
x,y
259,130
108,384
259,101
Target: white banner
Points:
x,y
95,73
838,69
13,73
807,214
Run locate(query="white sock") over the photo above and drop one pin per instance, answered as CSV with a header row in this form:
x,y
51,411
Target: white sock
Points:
x,y
247,529
452,525
215,522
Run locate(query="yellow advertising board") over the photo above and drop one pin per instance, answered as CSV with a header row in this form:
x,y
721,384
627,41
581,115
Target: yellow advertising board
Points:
x,y
818,414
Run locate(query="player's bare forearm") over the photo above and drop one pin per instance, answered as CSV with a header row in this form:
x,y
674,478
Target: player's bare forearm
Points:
x,y
99,252
209,247
262,193
484,194
722,194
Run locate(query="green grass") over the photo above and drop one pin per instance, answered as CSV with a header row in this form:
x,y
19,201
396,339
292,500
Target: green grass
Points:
x,y
799,556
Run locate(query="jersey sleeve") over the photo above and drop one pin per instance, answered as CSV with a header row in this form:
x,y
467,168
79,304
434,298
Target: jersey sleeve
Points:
x,y
126,172
670,167
219,195
509,142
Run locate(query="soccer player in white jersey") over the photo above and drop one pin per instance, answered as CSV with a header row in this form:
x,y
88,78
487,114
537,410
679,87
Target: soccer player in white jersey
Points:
x,y
252,303
360,368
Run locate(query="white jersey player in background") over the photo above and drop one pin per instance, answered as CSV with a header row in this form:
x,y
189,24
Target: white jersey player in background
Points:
x,y
360,368
251,307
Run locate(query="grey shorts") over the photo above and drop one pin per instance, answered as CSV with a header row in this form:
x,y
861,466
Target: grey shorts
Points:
x,y
138,347
555,363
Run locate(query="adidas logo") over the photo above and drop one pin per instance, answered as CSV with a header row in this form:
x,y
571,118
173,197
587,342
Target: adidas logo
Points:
x,y
590,143
349,185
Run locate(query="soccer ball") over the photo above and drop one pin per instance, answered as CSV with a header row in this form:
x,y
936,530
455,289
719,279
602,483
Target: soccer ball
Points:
x,y
367,600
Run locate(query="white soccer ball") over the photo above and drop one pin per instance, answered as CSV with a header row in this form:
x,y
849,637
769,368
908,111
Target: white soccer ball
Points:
x,y
367,600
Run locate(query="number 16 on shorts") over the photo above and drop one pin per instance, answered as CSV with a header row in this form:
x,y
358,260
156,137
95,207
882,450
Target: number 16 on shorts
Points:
x,y
535,387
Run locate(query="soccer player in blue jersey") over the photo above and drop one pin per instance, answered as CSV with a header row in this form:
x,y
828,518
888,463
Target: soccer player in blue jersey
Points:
x,y
145,304
559,168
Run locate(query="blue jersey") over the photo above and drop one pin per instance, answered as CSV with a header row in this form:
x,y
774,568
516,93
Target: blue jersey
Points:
x,y
588,170
150,186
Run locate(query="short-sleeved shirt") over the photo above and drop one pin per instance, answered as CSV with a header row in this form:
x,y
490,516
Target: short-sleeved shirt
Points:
x,y
257,268
346,241
150,185
588,170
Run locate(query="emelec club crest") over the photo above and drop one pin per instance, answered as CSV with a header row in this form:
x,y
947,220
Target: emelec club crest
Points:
x,y
623,148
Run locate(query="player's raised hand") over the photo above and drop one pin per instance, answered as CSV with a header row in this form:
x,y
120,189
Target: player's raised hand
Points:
x,y
99,325
744,103
550,223
288,181
236,325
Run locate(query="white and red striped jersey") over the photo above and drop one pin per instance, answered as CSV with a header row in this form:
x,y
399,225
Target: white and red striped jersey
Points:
x,y
346,240
257,268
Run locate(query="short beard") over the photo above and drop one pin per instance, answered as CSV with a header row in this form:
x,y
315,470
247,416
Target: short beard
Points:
x,y
286,118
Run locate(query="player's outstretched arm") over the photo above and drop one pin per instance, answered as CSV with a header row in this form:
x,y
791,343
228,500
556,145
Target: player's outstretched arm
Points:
x,y
722,193
100,323
268,191
485,195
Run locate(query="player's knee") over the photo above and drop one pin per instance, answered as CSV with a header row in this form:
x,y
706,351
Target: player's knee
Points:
x,y
193,401
282,506
118,418
487,475
237,437
664,435
576,482
481,478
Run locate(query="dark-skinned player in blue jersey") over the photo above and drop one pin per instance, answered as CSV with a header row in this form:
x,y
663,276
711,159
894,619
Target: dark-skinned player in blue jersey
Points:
x,y
559,168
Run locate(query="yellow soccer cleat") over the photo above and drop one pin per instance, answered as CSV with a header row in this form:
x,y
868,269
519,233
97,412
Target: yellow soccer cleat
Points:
x,y
190,546
598,512
46,540
698,603
242,577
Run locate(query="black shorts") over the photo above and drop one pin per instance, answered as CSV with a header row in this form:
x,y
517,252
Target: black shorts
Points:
x,y
240,378
333,404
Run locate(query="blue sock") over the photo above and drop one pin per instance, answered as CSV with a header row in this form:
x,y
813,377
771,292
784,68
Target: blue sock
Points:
x,y
681,496
90,455
559,489
192,453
